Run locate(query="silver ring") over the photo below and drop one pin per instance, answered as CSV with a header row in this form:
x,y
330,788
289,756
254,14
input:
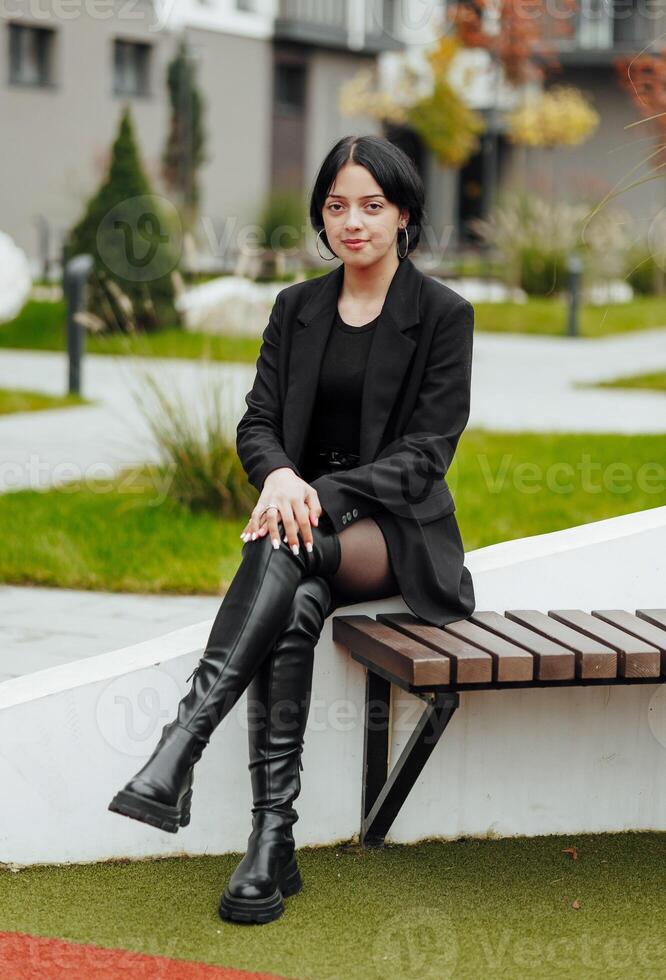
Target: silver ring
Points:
x,y
268,507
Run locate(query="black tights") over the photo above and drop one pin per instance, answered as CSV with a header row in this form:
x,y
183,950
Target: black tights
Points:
x,y
365,570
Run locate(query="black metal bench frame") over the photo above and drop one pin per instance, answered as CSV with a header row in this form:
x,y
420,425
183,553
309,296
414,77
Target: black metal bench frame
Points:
x,y
384,792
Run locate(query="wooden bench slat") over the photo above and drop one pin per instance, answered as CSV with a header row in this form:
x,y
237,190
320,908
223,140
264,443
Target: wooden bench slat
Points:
x,y
519,647
510,662
644,630
552,660
594,659
636,658
392,651
655,616
469,664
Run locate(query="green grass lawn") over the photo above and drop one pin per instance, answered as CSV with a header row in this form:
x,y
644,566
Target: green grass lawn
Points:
x,y
118,535
126,535
17,400
549,316
655,381
41,326
492,909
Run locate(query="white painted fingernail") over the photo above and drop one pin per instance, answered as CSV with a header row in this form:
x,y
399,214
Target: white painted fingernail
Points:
x,y
254,535
308,545
276,542
285,539
294,548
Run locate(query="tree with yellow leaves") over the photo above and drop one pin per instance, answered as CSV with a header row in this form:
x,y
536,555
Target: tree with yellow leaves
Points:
x,y
425,101
444,121
520,41
558,117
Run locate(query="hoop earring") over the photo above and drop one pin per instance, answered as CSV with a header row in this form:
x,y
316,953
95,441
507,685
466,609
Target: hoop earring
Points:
x,y
324,257
406,244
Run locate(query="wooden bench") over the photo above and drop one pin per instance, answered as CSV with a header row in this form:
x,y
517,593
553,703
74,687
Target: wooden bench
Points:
x,y
488,651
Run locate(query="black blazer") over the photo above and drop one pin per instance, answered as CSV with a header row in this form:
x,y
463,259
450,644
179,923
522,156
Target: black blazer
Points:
x,y
415,406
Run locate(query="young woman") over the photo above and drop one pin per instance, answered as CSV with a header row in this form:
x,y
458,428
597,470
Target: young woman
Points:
x,y
361,394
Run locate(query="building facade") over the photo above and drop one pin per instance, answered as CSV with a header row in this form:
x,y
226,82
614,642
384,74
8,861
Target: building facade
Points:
x,y
270,73
268,70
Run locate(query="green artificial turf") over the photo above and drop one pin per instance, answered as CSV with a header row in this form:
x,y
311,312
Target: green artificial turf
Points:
x,y
472,908
126,535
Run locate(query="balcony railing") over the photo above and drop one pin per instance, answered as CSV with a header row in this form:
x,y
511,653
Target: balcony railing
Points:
x,y
329,13
603,28
353,24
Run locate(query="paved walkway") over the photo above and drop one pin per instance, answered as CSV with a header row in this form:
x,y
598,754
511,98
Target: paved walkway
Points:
x,y
46,448
43,627
520,383
529,383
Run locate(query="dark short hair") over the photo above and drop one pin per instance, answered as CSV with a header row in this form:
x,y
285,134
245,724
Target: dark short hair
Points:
x,y
394,171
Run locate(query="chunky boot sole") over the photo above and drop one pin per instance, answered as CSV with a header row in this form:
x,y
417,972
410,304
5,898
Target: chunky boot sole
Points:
x,y
152,812
261,910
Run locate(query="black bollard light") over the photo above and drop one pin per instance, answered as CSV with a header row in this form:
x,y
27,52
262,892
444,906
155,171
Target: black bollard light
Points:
x,y
76,275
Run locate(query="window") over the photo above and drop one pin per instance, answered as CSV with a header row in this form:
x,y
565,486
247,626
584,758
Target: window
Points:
x,y
131,68
389,17
633,23
30,55
290,87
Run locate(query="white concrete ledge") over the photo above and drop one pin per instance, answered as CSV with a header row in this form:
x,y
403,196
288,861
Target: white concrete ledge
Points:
x,y
511,762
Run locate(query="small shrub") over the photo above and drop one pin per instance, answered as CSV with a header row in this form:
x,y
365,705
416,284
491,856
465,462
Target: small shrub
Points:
x,y
134,237
282,220
542,272
198,455
534,238
643,273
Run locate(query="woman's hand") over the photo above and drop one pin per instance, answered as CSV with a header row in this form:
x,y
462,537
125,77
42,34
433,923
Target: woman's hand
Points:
x,y
297,506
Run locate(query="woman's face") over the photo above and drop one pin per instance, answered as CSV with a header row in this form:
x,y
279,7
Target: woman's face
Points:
x,y
356,210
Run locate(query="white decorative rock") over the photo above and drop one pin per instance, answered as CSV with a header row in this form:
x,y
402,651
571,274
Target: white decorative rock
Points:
x,y
478,290
231,305
15,278
613,291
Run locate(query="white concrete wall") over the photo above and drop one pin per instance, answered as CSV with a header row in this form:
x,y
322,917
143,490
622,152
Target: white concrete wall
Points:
x,y
510,763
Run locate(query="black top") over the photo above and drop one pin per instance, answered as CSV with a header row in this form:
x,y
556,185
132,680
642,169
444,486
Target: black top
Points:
x,y
336,413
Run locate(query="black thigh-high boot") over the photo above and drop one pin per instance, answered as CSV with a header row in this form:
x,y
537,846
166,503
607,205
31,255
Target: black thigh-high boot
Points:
x,y
278,703
253,612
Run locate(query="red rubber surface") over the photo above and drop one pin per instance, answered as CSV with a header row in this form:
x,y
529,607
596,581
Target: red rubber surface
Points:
x,y
24,957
